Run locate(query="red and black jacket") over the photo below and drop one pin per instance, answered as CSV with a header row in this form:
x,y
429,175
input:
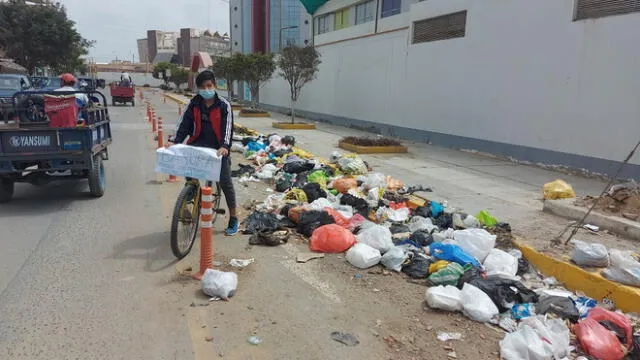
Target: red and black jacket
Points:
x,y
218,122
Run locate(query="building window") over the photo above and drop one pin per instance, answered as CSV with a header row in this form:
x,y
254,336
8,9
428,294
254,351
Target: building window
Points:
x,y
391,7
235,26
591,9
235,8
341,19
323,24
365,12
444,27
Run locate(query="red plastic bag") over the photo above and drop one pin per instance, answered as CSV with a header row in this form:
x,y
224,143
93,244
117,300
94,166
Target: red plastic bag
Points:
x,y
355,221
331,238
620,322
396,206
340,220
597,341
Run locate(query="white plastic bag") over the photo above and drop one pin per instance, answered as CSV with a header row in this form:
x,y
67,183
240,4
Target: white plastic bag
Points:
x,y
499,262
399,215
553,331
446,298
236,147
421,223
524,344
320,203
476,304
624,268
219,283
443,235
589,254
376,236
352,166
394,258
363,256
468,222
375,180
267,172
476,242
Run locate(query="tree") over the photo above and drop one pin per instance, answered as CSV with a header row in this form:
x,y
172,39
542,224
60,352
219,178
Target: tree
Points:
x,y
256,70
229,68
160,71
298,66
179,75
39,36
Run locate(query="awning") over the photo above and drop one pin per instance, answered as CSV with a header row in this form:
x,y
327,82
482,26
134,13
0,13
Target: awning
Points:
x,y
312,5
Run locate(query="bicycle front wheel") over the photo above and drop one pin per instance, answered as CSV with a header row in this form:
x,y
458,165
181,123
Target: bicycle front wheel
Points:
x,y
185,220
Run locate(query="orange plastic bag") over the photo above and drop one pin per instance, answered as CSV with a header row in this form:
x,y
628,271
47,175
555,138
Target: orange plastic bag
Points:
x,y
340,220
343,185
331,238
597,341
355,222
393,184
615,320
396,206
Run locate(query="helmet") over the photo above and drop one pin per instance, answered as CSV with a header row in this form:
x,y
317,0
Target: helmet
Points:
x,y
68,78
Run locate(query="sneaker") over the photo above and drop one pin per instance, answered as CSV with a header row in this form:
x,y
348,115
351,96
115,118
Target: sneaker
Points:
x,y
232,228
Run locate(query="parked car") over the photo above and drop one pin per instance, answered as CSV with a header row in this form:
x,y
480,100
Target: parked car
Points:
x,y
45,82
11,84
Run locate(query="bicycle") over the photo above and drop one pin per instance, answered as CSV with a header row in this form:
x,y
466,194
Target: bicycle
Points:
x,y
186,214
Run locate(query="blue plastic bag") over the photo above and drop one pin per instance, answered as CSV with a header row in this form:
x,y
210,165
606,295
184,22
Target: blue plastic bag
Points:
x,y
584,304
255,146
521,311
451,252
436,208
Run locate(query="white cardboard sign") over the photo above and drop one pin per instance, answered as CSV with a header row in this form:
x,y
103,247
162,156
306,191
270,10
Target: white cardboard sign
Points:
x,y
189,161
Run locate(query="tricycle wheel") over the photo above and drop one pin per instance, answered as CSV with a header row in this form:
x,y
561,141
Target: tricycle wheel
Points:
x,y
113,102
133,102
97,182
6,190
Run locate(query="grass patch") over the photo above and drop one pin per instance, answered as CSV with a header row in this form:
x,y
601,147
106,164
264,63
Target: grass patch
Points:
x,y
367,141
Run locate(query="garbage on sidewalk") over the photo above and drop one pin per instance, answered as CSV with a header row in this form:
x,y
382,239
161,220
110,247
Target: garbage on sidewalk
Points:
x,y
219,284
468,262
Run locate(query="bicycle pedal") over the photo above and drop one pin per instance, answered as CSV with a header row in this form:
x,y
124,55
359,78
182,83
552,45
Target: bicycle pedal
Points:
x,y
221,211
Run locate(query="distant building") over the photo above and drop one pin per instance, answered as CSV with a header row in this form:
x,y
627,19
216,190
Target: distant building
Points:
x,y
193,41
161,41
143,50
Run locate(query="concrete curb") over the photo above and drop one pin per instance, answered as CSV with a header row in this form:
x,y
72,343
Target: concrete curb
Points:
x,y
289,126
373,149
592,284
617,225
175,98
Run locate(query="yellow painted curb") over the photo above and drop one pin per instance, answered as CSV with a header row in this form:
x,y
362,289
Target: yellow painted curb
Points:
x,y
254,115
236,107
290,126
592,284
176,99
372,149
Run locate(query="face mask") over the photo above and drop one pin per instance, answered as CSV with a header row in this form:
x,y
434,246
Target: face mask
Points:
x,y
207,94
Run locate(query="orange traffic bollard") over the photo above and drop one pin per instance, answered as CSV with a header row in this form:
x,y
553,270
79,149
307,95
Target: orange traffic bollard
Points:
x,y
206,232
148,112
160,133
154,126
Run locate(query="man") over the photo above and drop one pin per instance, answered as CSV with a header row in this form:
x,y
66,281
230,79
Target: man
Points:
x,y
208,121
68,82
125,79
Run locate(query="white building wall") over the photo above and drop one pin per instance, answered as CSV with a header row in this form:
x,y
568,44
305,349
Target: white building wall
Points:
x,y
525,74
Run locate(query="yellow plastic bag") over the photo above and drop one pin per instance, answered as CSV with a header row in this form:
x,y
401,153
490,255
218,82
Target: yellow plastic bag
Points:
x,y
296,195
558,189
437,266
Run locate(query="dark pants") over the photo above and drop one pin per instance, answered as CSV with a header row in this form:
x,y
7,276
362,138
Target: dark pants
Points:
x,y
226,183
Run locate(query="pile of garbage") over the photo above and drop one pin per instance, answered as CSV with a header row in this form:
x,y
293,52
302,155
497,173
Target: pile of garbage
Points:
x,y
343,207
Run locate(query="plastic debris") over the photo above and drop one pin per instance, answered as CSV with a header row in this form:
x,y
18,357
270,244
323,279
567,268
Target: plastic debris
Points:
x,y
451,252
418,267
486,219
378,237
447,276
345,338
219,284
521,311
557,189
331,238
446,298
239,263
394,258
445,336
476,304
624,268
254,340
589,254
597,340
363,256
476,242
499,262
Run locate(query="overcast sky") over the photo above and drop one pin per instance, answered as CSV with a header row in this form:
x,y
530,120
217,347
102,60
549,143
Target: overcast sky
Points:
x,y
116,24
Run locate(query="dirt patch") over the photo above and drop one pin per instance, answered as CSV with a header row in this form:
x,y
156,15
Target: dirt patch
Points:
x,y
622,202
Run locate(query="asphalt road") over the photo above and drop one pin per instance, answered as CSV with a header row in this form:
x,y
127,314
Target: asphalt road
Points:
x,y
85,278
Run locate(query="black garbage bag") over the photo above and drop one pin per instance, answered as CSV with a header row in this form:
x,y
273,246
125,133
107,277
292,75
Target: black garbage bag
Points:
x,y
281,152
635,353
421,237
247,140
242,170
443,221
270,238
311,220
611,326
399,228
288,140
296,167
563,307
504,292
423,211
358,204
260,222
287,223
313,192
285,209
301,179
418,267
284,183
523,266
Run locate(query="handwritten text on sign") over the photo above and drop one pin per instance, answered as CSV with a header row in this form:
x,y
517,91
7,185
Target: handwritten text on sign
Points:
x,y
189,161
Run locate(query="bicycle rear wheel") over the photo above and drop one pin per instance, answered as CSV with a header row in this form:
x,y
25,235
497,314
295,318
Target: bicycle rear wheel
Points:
x,y
185,220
